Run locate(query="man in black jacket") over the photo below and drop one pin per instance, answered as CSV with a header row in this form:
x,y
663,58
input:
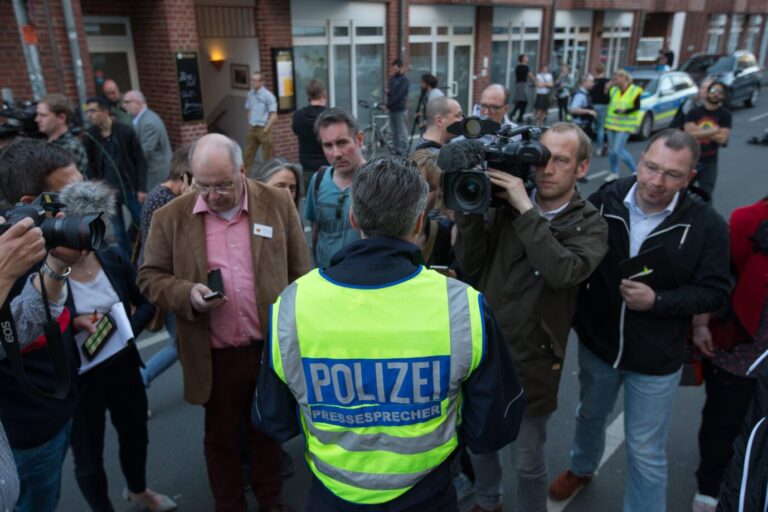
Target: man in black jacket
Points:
x,y
38,425
397,94
633,316
115,156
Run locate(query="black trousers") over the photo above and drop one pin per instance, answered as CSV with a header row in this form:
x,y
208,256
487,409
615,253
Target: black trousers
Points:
x,y
520,109
706,176
728,398
562,107
115,386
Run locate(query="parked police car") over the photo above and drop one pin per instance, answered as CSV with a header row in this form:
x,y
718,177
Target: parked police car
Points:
x,y
663,93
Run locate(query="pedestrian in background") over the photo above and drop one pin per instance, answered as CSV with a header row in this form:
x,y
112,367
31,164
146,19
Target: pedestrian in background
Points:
x,y
397,96
112,95
261,110
281,173
311,154
563,87
523,78
600,101
53,114
152,135
544,85
710,124
622,119
177,183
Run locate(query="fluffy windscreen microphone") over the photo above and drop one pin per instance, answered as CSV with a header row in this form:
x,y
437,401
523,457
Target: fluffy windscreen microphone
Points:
x,y
461,155
87,197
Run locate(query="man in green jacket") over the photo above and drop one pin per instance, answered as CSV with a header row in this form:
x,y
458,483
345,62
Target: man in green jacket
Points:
x,y
529,259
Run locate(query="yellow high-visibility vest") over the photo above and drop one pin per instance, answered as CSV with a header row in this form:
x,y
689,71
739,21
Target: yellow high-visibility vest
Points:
x,y
623,101
377,374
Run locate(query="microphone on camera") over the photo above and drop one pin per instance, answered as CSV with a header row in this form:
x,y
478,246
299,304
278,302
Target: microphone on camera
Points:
x,y
461,155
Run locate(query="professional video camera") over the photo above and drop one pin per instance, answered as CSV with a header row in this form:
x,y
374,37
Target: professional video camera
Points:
x,y
19,120
466,185
84,232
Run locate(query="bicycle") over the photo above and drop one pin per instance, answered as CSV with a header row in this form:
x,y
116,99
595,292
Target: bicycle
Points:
x,y
378,135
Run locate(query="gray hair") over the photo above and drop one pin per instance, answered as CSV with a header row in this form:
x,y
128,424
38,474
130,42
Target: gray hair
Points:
x,y
139,95
437,106
233,148
388,195
263,172
677,140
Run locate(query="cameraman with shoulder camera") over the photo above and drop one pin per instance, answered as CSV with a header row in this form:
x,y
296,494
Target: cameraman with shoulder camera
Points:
x,y
528,257
37,424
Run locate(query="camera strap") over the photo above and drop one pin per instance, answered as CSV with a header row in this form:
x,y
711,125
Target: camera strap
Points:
x,y
55,346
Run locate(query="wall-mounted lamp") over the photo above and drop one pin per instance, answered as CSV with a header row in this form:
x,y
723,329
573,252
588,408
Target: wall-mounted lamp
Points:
x,y
217,63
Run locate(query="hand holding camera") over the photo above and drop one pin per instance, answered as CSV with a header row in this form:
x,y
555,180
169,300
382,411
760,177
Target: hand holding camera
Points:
x,y
511,189
21,246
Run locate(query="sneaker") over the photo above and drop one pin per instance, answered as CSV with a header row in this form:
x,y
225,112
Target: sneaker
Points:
x,y
566,484
611,177
703,503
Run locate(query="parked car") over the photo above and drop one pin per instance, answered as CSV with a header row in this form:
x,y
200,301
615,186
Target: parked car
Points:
x,y
663,93
739,72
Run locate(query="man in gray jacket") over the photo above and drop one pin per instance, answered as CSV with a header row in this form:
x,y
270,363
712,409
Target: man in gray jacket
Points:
x,y
529,258
153,137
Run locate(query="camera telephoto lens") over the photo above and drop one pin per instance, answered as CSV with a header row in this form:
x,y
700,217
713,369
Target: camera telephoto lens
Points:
x,y
84,232
470,192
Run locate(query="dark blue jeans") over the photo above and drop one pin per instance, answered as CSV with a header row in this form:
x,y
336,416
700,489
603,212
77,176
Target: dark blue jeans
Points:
x,y
40,473
118,222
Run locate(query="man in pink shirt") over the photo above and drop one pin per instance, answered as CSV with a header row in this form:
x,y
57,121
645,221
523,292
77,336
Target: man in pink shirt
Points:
x,y
251,234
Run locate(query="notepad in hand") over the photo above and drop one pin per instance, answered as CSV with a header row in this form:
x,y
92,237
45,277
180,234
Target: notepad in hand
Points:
x,y
649,267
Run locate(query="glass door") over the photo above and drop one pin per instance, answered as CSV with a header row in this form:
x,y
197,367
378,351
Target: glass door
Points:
x,y
461,73
110,46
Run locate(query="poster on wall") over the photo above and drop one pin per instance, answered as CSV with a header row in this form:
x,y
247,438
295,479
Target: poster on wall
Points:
x,y
282,63
188,75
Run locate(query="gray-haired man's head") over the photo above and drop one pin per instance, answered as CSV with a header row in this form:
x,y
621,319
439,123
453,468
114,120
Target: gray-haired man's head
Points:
x,y
388,196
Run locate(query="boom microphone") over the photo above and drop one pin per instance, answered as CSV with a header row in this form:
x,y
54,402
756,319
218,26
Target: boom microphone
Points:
x,y
461,155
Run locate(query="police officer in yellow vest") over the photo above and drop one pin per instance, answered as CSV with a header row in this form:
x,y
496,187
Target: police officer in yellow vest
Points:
x,y
391,366
622,119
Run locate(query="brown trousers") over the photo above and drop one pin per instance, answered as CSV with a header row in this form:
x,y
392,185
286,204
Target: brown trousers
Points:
x,y
227,416
257,138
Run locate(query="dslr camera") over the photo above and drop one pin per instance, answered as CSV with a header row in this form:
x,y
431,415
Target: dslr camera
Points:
x,y
82,232
466,185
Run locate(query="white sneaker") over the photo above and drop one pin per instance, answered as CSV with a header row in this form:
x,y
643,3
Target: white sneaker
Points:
x,y
703,503
611,177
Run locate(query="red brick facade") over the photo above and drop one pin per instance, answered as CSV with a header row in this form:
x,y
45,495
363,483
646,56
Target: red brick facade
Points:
x,y
163,27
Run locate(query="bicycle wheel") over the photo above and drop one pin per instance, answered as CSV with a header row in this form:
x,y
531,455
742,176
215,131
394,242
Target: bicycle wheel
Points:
x,y
369,143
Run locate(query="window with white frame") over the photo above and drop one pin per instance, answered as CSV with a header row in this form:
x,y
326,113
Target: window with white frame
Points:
x,y
515,32
716,32
347,54
737,22
753,31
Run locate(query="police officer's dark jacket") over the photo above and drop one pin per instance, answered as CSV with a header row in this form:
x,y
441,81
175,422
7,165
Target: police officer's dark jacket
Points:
x,y
492,396
652,342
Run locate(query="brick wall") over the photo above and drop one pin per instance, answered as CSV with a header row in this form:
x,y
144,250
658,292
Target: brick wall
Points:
x,y
273,28
53,48
483,49
160,29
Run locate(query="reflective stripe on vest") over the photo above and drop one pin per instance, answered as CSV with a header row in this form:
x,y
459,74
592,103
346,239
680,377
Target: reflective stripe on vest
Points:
x,y
377,375
623,122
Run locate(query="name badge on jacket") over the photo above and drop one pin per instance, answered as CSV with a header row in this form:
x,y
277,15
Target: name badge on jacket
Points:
x,y
262,230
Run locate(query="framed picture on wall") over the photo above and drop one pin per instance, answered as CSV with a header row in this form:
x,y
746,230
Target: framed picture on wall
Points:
x,y
241,76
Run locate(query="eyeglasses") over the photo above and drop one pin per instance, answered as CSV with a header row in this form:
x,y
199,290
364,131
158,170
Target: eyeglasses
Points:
x,y
717,90
219,189
488,106
655,170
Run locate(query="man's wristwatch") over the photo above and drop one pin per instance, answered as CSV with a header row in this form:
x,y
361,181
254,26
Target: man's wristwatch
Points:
x,y
55,275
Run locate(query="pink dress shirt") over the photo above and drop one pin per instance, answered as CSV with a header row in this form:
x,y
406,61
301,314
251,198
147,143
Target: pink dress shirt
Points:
x,y
228,244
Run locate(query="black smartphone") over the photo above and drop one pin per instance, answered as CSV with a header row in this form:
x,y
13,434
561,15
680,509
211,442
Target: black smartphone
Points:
x,y
96,341
213,295
215,282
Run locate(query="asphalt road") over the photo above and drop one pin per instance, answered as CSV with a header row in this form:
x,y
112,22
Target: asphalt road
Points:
x,y
176,465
